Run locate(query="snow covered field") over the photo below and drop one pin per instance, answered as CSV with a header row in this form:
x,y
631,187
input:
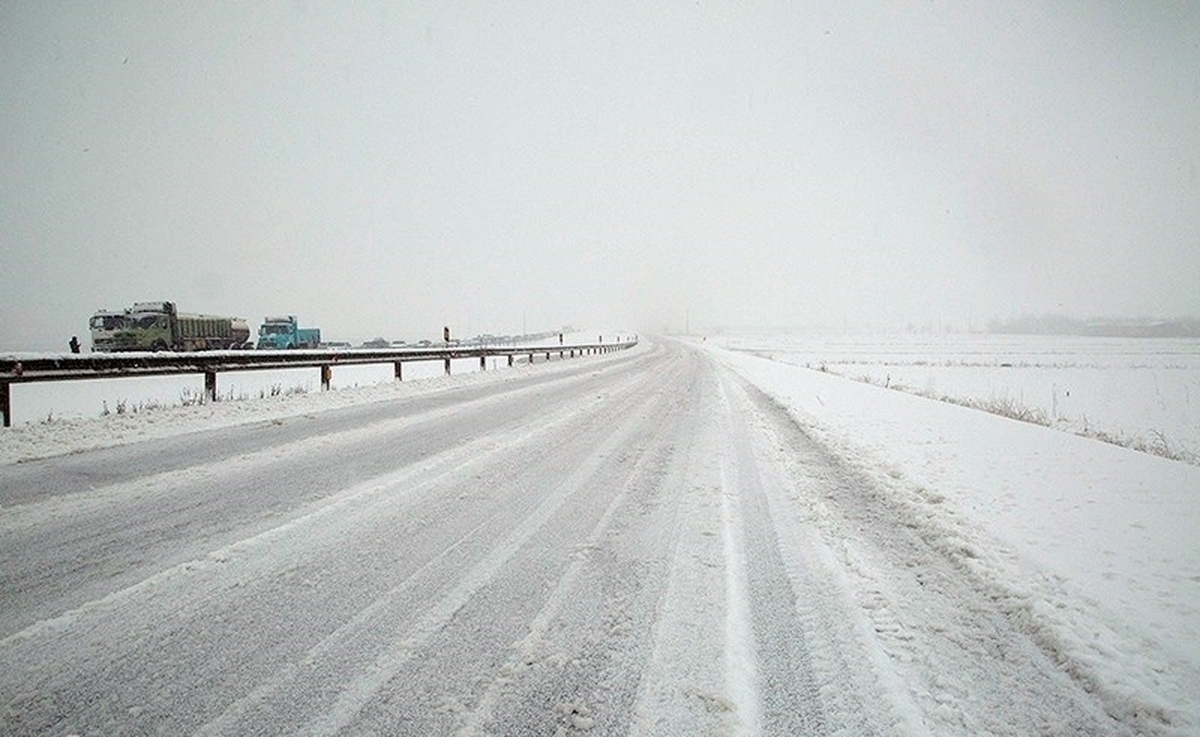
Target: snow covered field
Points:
x,y
1137,392
666,551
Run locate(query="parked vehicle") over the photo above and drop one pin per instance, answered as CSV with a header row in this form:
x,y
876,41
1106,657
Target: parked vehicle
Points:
x,y
159,326
285,332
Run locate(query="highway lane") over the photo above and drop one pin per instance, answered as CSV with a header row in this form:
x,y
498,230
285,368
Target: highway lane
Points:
x,y
643,546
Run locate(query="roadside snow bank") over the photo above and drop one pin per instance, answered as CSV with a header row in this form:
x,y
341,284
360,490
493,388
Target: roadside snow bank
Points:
x,y
1091,547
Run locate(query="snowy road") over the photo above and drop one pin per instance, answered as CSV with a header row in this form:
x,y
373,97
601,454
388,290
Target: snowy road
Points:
x,y
635,546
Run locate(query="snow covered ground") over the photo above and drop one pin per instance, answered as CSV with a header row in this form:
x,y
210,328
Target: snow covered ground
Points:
x,y
887,564
1094,546
1138,392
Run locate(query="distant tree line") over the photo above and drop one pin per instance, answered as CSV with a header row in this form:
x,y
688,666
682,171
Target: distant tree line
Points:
x,y
1104,327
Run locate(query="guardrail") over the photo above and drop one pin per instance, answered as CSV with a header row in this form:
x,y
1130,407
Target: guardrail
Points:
x,y
16,369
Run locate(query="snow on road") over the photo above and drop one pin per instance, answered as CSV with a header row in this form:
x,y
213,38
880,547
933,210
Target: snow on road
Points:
x,y
644,543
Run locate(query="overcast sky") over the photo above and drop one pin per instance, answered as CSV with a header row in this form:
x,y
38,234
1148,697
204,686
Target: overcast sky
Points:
x,y
386,169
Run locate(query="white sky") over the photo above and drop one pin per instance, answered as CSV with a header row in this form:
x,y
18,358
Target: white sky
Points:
x,y
385,169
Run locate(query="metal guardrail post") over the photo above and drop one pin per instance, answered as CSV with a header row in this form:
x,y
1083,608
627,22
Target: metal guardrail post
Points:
x,y
210,385
5,403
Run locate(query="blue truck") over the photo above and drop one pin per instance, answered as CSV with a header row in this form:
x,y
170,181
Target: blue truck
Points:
x,y
285,332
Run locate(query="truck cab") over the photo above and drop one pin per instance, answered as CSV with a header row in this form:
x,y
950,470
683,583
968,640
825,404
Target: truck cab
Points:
x,y
285,332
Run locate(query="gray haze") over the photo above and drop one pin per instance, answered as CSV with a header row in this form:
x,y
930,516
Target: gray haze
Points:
x,y
385,169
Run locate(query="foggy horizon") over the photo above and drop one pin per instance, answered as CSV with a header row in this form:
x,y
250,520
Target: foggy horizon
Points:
x,y
382,171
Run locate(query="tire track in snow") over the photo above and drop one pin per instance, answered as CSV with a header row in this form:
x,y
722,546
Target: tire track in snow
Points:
x,y
577,666
356,695
762,608
531,648
846,678
684,687
740,652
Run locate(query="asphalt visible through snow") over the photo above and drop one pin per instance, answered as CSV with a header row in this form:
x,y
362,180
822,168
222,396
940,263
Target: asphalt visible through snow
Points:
x,y
645,546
